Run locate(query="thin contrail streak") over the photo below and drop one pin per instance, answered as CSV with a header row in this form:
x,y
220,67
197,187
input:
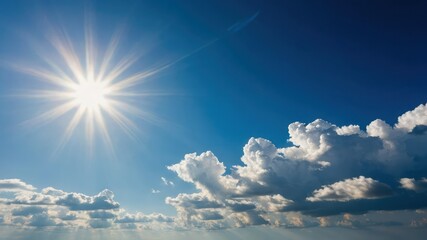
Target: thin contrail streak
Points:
x,y
233,29
185,56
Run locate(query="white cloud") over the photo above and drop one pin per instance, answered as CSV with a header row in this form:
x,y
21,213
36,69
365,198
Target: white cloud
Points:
x,y
351,189
53,207
100,223
240,205
319,166
167,182
349,130
309,140
273,203
143,218
53,192
411,119
14,185
346,221
324,222
68,217
280,186
41,220
195,200
74,201
205,171
102,215
210,215
34,198
77,201
414,185
295,221
27,211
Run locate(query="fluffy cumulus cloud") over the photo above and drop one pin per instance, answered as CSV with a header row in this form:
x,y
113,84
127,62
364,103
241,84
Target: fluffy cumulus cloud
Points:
x,y
327,175
350,189
26,211
100,223
51,207
42,220
13,185
142,218
74,201
327,170
412,119
102,215
414,185
78,201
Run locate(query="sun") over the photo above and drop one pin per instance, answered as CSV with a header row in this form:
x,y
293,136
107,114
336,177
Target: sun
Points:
x,y
92,90
91,94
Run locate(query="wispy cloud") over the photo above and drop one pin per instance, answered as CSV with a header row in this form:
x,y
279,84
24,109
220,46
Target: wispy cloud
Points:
x,y
239,25
167,182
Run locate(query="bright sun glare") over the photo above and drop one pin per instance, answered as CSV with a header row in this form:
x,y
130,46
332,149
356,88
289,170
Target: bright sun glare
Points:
x,y
89,89
91,94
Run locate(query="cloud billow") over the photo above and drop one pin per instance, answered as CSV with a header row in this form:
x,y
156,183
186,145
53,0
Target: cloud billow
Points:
x,y
12,185
414,185
52,207
328,170
351,189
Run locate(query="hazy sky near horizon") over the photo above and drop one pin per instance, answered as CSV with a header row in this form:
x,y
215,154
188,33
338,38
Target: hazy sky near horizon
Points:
x,y
161,119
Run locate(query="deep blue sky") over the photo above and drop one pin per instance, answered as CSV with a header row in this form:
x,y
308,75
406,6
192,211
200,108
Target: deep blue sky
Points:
x,y
348,62
298,61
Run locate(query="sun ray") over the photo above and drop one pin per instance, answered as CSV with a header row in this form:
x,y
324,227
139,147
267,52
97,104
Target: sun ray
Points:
x,y
108,56
52,114
121,67
90,131
60,72
65,49
48,95
132,110
124,122
90,51
141,94
104,131
47,76
71,126
131,81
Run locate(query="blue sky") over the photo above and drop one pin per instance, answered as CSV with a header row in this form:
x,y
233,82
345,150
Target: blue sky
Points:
x,y
239,83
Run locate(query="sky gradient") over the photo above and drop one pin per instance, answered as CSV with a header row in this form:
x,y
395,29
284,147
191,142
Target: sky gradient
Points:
x,y
230,119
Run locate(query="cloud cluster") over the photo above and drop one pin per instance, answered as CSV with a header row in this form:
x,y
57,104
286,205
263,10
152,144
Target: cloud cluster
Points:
x,y
327,170
13,185
51,207
350,189
140,217
78,201
74,201
327,176
415,185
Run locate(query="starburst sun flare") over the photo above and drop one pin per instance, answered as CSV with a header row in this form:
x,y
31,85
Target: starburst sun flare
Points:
x,y
90,94
90,90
